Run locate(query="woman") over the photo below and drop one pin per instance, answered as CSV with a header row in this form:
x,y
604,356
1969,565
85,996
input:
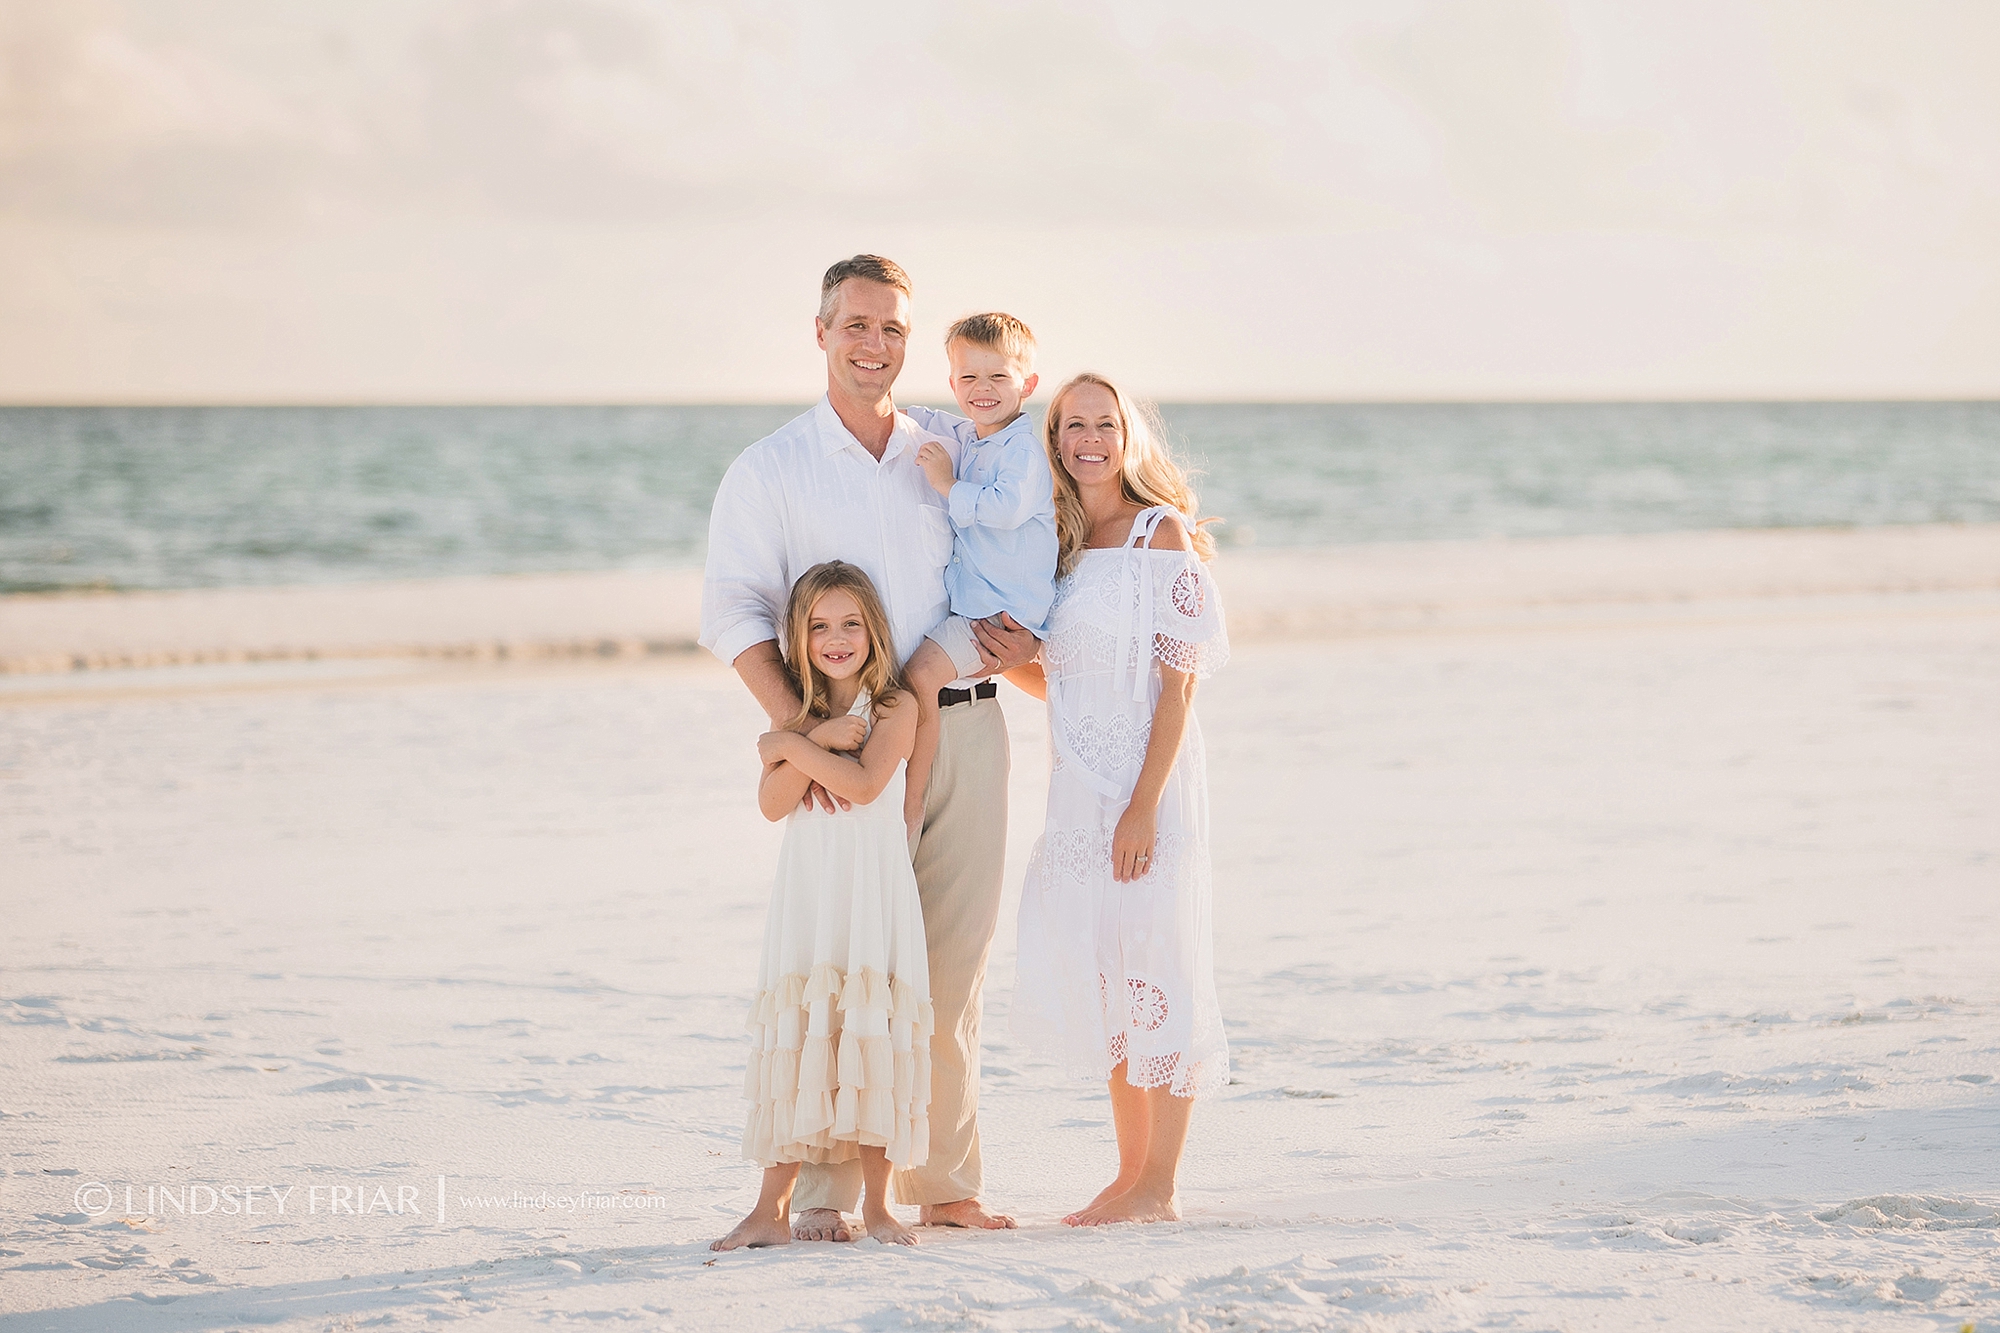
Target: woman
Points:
x,y
1116,974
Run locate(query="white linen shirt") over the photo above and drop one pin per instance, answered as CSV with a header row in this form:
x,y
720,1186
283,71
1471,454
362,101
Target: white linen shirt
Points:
x,y
809,492
1003,514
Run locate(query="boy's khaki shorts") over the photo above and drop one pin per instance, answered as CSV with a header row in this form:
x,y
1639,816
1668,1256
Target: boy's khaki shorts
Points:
x,y
955,637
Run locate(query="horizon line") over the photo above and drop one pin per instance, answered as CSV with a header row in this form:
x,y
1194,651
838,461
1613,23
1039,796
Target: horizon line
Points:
x,y
1579,400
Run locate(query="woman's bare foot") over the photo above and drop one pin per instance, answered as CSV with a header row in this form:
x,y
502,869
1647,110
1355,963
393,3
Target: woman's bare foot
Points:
x,y
1104,1196
964,1213
1135,1205
883,1226
755,1232
820,1224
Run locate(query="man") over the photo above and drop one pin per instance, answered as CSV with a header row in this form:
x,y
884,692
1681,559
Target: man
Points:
x,y
842,482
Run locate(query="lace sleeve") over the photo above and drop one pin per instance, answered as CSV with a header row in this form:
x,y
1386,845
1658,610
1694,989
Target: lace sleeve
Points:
x,y
1188,630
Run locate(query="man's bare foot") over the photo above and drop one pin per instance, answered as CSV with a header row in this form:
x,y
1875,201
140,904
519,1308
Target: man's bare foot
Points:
x,y
1104,1196
1135,1205
964,1213
820,1224
755,1232
883,1226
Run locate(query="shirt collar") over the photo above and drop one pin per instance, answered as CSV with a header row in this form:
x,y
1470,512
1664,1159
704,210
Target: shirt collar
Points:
x,y
1023,424
835,436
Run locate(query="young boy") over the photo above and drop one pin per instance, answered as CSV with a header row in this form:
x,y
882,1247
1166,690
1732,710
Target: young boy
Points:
x,y
1001,499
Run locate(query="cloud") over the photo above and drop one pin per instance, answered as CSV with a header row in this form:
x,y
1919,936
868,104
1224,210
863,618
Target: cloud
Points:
x,y
1288,198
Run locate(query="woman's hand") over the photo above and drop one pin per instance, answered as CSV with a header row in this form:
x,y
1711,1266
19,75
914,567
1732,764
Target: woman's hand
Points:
x,y
839,733
1132,843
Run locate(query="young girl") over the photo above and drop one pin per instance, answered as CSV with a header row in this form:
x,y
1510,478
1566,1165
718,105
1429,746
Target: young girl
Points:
x,y
1116,974
841,1027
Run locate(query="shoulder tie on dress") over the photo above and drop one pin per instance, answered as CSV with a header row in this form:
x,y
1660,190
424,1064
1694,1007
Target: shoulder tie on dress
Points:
x,y
1139,600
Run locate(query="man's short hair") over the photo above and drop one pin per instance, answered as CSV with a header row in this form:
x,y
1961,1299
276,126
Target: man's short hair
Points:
x,y
872,267
1002,333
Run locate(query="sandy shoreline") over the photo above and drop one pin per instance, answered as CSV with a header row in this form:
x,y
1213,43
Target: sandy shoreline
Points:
x,y
1341,590
1641,971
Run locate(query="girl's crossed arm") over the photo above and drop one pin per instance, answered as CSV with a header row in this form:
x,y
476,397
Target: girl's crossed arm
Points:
x,y
792,761
783,786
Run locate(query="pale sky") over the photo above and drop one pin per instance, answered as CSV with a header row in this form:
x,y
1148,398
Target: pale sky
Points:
x,y
632,200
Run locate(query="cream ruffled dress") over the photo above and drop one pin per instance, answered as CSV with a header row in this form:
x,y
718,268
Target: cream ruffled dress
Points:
x,y
841,1027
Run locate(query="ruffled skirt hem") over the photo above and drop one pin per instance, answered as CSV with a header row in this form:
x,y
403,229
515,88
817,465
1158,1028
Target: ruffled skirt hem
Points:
x,y
839,1061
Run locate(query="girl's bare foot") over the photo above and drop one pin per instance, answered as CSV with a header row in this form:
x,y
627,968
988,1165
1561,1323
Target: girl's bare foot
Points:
x,y
1104,1196
883,1226
1135,1205
755,1232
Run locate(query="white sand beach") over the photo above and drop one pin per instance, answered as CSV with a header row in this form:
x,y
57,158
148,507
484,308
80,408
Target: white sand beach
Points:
x,y
1608,934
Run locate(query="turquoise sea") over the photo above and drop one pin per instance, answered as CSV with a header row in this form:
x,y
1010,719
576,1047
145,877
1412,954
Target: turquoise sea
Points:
x,y
137,497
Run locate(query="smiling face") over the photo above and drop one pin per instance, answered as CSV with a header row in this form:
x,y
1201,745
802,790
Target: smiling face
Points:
x,y
837,635
865,339
988,384
1090,436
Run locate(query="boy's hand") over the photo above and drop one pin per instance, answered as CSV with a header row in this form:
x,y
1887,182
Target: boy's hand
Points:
x,y
936,464
839,733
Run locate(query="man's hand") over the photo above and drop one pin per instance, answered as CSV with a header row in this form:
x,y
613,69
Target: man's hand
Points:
x,y
1003,644
824,799
839,733
936,464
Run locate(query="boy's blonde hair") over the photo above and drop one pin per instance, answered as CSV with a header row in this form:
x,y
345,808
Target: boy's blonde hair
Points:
x,y
880,675
1149,477
1002,333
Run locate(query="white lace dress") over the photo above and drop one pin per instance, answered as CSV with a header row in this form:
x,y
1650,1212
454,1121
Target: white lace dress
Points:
x,y
1112,972
840,1050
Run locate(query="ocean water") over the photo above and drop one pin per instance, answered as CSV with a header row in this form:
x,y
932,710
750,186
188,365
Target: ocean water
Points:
x,y
205,497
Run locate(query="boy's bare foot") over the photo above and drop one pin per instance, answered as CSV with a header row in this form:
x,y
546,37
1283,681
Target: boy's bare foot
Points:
x,y
820,1224
963,1213
755,1232
883,1226
1135,1205
1104,1196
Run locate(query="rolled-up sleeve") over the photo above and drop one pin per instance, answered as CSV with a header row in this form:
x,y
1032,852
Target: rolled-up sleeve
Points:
x,y
1021,485
743,585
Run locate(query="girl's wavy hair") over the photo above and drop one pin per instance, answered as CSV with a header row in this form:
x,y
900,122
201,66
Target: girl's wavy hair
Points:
x,y
1149,477
880,675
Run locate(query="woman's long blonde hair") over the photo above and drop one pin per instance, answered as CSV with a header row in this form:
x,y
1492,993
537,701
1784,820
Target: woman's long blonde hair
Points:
x,y
880,675
1149,477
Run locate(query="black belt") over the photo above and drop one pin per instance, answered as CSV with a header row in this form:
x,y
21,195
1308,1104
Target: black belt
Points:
x,y
985,689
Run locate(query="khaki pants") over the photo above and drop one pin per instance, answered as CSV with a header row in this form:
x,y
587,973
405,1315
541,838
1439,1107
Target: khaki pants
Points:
x,y
959,859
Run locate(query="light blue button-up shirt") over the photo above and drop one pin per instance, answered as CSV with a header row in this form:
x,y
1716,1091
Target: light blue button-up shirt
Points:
x,y
1003,520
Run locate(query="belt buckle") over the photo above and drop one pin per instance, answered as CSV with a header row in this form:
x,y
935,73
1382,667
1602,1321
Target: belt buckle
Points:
x,y
952,698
